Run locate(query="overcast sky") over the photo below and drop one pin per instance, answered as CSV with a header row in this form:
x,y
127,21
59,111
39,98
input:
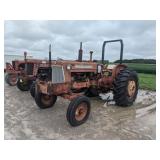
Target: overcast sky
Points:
x,y
34,37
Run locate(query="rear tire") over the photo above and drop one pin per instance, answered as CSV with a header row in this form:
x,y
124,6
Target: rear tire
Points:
x,y
45,101
78,111
125,88
23,85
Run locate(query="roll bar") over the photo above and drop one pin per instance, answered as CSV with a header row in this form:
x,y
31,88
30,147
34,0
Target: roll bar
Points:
x,y
110,41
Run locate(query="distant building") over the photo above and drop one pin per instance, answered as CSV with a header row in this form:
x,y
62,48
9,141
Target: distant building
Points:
x,y
9,58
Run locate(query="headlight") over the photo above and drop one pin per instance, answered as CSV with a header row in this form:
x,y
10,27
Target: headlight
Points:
x,y
69,67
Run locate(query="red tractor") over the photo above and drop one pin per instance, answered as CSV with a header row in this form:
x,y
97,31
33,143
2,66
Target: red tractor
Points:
x,y
20,67
28,75
12,71
23,72
28,72
78,80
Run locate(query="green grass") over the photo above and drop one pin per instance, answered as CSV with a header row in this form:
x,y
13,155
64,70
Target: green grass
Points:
x,y
147,81
146,73
143,68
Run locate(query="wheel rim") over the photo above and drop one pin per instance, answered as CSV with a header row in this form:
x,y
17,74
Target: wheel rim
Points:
x,y
13,79
131,88
81,111
46,99
23,82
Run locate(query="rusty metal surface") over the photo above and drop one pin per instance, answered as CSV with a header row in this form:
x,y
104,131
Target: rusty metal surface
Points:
x,y
79,85
81,111
49,88
17,71
37,63
101,80
117,69
71,96
105,82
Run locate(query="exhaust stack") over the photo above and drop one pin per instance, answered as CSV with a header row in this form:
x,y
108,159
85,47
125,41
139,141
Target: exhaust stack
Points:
x,y
25,60
91,52
25,56
50,55
80,53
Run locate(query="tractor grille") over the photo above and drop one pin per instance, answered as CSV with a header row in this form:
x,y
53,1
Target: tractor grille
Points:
x,y
57,74
30,67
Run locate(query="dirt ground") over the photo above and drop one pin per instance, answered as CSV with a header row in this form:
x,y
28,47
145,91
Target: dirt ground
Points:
x,y
24,120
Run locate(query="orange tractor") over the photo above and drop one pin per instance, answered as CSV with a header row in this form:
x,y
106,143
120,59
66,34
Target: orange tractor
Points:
x,y
80,79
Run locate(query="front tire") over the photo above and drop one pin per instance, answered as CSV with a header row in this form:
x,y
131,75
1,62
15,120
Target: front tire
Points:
x,y
125,88
45,101
32,89
78,111
23,85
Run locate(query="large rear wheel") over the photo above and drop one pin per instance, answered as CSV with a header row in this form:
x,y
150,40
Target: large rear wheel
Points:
x,y
125,88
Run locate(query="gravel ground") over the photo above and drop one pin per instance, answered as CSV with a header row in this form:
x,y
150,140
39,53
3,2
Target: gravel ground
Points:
x,y
24,120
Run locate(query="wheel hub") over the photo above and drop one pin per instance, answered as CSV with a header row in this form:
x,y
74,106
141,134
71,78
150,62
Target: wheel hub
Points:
x,y
131,88
46,99
81,112
23,81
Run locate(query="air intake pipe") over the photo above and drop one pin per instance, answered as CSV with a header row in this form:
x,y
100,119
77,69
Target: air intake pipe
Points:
x,y
25,61
50,55
80,53
91,52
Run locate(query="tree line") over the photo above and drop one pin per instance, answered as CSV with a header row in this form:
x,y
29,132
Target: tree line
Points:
x,y
145,61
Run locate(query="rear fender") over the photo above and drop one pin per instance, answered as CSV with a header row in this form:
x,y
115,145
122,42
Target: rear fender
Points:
x,y
117,69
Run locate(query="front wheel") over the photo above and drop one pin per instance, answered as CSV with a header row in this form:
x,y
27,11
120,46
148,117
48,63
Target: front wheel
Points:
x,y
23,85
45,101
78,111
32,89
